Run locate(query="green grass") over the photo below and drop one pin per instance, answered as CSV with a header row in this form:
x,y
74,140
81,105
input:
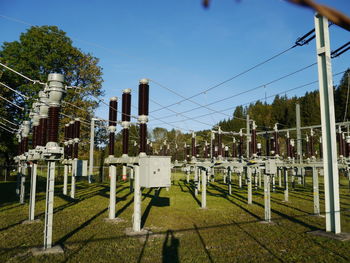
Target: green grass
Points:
x,y
228,231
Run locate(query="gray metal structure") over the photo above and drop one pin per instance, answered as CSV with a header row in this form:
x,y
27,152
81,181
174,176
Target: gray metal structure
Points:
x,y
331,176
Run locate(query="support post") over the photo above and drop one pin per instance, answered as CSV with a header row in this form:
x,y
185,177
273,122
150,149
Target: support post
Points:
x,y
286,190
331,176
113,185
267,197
92,143
299,142
316,191
249,178
137,201
32,192
204,188
65,179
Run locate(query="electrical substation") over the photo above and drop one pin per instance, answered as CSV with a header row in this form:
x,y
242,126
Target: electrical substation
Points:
x,y
257,167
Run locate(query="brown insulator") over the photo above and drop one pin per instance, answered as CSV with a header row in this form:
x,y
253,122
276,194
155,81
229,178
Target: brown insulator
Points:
x,y
188,153
53,124
234,150
226,153
288,147
312,149
111,143
126,106
254,147
276,144
307,146
125,141
348,149
38,135
267,153
76,150
143,99
240,146
113,105
77,129
43,131
197,151
34,136
219,142
143,137
25,144
19,148
193,146
205,151
272,144
66,127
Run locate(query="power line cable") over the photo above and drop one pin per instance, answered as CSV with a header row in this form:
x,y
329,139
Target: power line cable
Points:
x,y
22,75
10,122
249,90
6,129
19,107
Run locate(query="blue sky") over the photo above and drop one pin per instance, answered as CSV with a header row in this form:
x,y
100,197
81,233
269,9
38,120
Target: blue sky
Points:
x,y
186,48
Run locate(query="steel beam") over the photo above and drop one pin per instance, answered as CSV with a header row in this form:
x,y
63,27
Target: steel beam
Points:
x,y
331,176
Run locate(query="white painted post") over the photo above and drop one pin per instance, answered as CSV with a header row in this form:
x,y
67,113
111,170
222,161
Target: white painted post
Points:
x,y
92,142
240,180
22,185
229,181
331,176
74,173
137,201
32,192
50,188
316,191
249,178
204,188
112,191
286,190
267,198
65,179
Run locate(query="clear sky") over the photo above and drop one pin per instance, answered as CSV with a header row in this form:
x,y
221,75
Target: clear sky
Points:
x,y
186,48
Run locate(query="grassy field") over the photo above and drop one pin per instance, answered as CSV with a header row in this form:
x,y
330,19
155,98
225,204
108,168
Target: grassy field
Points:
x,y
230,230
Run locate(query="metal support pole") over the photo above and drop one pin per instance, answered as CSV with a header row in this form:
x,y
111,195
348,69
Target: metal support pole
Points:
x,y
286,191
32,192
267,201
240,180
92,142
204,188
299,142
137,201
22,184
187,175
113,185
249,178
331,176
316,191
273,183
229,181
279,171
65,179
248,137
50,188
74,173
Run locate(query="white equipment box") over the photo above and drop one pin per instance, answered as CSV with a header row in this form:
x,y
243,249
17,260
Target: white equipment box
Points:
x,y
270,166
82,167
155,171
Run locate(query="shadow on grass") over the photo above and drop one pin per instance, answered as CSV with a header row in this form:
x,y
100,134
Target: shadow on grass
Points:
x,y
203,244
63,239
155,201
170,252
190,189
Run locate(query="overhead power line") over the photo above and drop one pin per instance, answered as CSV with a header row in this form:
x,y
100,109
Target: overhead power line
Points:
x,y
10,122
7,129
22,75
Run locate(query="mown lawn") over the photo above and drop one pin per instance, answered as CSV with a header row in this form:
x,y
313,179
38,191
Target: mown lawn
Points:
x,y
230,230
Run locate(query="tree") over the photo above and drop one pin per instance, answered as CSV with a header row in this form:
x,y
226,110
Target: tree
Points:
x,y
38,52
